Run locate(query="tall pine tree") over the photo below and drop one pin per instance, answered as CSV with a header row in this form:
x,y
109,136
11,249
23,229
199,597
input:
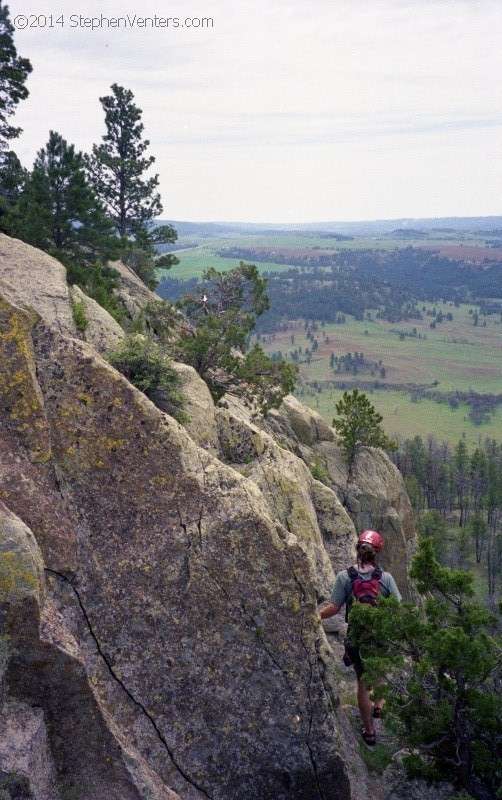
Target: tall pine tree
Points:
x,y
118,168
14,71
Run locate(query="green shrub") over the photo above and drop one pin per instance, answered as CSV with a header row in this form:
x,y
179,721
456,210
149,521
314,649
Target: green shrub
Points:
x,y
319,473
79,315
98,281
142,361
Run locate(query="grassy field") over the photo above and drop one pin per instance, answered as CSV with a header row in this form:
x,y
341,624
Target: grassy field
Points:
x,y
405,419
456,355
193,262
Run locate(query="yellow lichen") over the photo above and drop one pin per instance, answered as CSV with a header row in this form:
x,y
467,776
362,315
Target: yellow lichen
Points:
x,y
15,576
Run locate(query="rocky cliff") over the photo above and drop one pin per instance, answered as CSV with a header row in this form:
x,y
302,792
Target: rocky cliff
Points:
x,y
159,584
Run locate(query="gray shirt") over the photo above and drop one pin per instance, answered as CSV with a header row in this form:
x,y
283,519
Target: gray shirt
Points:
x,y
342,589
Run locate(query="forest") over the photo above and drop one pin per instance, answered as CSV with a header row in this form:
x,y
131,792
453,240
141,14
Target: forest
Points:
x,y
323,285
457,495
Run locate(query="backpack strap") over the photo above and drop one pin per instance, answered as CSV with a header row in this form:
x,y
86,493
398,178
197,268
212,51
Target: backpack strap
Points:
x,y
354,574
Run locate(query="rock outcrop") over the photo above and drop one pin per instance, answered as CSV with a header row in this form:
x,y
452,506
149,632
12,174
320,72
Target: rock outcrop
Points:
x,y
303,505
132,290
101,330
374,497
173,648
55,738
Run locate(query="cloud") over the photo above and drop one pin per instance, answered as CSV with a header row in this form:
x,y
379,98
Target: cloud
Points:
x,y
278,94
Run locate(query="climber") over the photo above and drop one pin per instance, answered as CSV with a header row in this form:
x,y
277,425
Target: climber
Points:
x,y
363,582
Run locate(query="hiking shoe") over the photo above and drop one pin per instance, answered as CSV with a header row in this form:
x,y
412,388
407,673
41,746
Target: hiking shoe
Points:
x,y
377,713
369,739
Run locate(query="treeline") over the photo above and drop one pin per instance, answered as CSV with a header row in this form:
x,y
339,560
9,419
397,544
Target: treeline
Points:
x,y
459,486
423,273
481,405
353,281
328,294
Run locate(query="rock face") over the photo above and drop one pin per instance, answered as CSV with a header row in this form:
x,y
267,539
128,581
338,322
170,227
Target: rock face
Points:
x,y
200,409
294,498
132,290
101,329
374,498
55,740
180,626
174,648
32,279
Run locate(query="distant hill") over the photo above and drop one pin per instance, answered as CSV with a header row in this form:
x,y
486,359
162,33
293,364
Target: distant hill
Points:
x,y
363,228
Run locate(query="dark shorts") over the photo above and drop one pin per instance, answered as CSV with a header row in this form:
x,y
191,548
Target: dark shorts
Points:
x,y
355,657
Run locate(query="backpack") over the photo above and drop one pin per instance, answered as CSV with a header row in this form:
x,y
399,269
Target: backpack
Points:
x,y
365,590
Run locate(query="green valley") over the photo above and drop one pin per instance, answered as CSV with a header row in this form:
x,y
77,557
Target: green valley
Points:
x,y
411,316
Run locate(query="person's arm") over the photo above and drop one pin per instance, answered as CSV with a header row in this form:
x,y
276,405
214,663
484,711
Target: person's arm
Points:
x,y
330,610
393,590
338,597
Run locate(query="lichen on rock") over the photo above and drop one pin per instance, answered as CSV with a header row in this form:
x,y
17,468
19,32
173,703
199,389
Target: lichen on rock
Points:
x,y
175,646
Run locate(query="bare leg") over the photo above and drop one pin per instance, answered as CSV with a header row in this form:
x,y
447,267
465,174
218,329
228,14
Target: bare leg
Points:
x,y
379,704
365,708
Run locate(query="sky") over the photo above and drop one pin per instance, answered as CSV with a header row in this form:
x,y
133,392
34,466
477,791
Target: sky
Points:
x,y
286,111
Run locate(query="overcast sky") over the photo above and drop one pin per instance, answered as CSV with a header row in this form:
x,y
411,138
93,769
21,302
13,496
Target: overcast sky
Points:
x,y
284,111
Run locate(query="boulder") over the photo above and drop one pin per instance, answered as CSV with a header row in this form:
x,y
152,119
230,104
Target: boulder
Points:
x,y
337,529
294,421
35,281
27,770
199,407
32,279
288,487
375,498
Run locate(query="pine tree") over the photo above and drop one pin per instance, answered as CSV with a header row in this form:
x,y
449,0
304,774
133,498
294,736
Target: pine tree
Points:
x,y
358,425
14,72
13,179
59,211
432,525
118,168
460,476
222,314
441,669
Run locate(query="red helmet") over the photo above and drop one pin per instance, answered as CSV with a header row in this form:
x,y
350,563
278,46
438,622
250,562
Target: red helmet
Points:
x,y
371,537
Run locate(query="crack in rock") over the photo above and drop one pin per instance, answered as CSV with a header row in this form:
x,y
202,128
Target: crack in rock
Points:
x,y
136,702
